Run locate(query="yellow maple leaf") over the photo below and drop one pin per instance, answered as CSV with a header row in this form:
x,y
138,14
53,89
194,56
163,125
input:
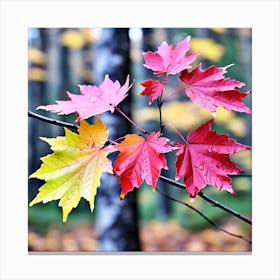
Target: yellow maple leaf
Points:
x,y
74,168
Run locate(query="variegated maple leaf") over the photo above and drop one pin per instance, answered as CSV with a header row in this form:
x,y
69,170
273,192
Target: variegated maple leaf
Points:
x,y
205,159
74,168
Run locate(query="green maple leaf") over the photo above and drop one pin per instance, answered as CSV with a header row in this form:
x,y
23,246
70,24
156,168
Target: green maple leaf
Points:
x,y
74,168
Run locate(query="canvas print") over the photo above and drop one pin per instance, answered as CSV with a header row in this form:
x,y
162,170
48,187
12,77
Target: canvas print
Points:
x,y
140,140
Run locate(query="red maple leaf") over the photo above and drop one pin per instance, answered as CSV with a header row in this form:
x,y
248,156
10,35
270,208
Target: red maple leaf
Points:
x,y
205,159
153,88
210,89
93,100
140,159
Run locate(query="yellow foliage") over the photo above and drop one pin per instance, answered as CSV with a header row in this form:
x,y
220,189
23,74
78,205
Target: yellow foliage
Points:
x,y
145,114
243,158
219,30
37,56
208,48
188,115
183,115
76,39
223,115
37,74
229,120
242,183
73,39
238,126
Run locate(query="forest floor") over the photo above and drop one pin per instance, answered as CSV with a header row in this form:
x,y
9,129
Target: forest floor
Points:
x,y
155,236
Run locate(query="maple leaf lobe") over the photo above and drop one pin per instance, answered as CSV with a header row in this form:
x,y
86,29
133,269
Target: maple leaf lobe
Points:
x,y
153,88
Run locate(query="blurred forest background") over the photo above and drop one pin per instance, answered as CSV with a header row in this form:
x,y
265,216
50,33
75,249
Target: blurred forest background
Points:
x,y
61,58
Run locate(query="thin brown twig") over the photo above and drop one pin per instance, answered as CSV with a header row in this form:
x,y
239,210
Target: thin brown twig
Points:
x,y
52,121
209,199
204,217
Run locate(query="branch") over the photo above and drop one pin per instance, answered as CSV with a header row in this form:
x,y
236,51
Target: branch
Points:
x,y
221,206
162,178
204,217
160,114
52,121
60,123
207,198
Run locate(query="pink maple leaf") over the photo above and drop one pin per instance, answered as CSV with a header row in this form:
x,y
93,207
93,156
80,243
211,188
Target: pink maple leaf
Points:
x,y
93,100
169,59
140,159
210,89
153,89
205,159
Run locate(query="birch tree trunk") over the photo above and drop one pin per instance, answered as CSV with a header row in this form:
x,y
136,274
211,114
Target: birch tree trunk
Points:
x,y
116,219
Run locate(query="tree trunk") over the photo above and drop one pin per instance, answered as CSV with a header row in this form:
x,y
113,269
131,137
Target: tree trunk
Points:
x,y
117,220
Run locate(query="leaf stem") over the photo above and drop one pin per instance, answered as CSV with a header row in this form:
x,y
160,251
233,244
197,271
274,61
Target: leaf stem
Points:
x,y
176,130
174,93
131,121
118,139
